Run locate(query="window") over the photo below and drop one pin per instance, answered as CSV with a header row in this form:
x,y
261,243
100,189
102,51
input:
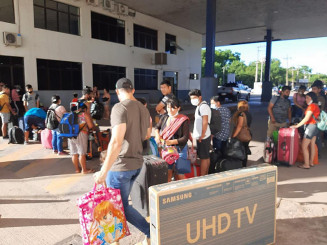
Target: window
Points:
x,y
105,76
145,37
107,28
55,16
170,44
145,79
7,12
12,70
59,75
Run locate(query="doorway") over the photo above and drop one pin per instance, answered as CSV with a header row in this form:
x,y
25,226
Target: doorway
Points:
x,y
172,76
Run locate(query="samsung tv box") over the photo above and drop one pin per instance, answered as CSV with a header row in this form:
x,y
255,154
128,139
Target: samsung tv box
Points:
x,y
233,207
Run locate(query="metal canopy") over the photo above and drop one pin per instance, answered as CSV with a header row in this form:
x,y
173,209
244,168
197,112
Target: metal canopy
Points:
x,y
242,21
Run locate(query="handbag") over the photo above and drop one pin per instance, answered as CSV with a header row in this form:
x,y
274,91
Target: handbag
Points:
x,y
169,154
245,133
235,149
102,217
191,154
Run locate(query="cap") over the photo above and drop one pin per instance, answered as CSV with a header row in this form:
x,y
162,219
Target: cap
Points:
x,y
124,83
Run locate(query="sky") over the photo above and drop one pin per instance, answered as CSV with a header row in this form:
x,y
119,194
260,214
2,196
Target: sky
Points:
x,y
310,52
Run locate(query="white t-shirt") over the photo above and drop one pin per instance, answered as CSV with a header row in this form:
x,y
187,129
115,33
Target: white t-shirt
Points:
x,y
204,111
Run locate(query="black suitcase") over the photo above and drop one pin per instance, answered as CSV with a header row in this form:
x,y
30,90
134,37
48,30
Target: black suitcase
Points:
x,y
154,171
214,158
228,164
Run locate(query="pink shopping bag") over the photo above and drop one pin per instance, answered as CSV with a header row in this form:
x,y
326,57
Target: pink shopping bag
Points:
x,y
102,217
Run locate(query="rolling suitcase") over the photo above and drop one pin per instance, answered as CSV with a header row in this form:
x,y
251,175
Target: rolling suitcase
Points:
x,y
214,158
154,171
227,164
195,171
288,146
46,138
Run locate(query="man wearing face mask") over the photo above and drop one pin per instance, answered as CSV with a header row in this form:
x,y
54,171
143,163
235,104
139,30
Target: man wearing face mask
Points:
x,y
280,111
201,130
30,99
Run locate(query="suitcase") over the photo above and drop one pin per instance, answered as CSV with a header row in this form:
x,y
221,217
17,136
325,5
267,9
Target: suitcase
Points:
x,y
154,171
214,158
300,158
234,207
288,146
270,151
195,171
46,138
104,138
228,164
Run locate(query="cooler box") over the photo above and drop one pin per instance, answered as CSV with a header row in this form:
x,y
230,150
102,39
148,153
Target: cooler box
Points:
x,y
233,207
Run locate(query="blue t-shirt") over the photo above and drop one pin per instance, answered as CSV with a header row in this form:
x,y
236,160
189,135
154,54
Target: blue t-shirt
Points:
x,y
36,112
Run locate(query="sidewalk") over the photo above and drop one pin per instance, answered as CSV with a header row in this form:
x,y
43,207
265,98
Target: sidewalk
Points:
x,y
39,191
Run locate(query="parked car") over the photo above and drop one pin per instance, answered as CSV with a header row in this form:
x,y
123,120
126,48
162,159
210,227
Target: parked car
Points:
x,y
233,91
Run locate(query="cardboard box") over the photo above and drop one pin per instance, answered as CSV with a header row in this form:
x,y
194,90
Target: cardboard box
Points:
x,y
233,207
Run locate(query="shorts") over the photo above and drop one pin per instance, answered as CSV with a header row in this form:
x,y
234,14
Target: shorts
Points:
x,y
78,145
203,148
5,117
37,121
310,131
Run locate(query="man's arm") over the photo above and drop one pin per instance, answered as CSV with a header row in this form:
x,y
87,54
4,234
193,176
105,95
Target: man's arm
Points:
x,y
160,108
116,142
25,102
272,118
204,126
38,103
290,114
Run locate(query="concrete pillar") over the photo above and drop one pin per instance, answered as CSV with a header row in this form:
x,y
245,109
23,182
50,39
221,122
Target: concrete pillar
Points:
x,y
208,82
267,84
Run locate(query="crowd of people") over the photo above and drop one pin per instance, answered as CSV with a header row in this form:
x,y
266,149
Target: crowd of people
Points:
x,y
132,125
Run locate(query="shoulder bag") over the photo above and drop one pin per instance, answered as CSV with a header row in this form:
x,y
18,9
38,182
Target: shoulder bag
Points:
x,y
245,133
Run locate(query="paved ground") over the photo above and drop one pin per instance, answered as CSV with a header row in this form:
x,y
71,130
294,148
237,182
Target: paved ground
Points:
x,y
38,192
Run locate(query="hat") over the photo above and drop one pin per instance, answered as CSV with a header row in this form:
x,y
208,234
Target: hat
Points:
x,y
124,83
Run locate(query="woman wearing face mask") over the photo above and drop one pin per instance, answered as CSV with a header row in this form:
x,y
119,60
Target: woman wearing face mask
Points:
x,y
311,130
219,140
177,126
299,102
242,117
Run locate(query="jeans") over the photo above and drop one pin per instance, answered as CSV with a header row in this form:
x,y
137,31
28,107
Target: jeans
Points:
x,y
124,180
56,141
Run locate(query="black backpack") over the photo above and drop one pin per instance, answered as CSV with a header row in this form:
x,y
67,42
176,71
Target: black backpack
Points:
x,y
16,135
51,121
97,110
215,121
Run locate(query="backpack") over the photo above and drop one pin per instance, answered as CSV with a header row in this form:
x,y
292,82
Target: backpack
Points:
x,y
69,126
321,121
16,135
215,121
51,121
97,110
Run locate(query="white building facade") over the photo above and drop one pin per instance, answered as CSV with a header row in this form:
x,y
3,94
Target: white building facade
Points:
x,y
68,44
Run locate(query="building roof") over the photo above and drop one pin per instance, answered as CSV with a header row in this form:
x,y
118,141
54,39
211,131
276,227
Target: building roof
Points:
x,y
240,21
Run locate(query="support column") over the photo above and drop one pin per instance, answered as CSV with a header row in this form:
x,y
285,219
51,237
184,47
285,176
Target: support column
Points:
x,y
208,82
267,85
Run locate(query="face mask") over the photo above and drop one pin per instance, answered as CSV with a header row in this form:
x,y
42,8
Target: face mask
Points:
x,y
30,92
195,102
169,114
286,96
310,102
18,90
213,106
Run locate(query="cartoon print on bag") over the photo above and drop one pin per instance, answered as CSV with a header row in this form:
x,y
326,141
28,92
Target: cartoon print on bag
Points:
x,y
107,226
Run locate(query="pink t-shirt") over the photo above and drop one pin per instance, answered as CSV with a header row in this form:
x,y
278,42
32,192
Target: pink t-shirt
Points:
x,y
14,95
300,99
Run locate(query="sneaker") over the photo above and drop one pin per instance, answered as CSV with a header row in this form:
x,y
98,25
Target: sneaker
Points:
x,y
5,137
62,153
26,142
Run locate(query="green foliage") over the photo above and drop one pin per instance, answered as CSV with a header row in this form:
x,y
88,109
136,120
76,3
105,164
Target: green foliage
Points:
x,y
228,62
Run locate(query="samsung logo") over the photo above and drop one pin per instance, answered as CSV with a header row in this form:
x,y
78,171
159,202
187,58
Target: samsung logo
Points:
x,y
177,198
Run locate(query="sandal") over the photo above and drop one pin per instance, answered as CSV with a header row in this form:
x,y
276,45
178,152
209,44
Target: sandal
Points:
x,y
312,165
302,166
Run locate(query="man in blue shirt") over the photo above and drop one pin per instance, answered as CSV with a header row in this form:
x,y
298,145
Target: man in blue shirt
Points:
x,y
34,118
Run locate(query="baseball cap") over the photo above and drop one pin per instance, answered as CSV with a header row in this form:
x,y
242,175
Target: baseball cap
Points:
x,y
124,83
